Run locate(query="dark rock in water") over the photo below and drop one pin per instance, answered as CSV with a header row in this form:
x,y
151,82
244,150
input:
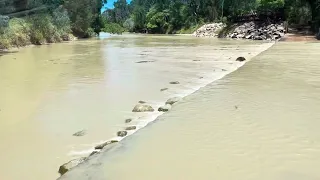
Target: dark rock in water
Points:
x,y
101,146
122,133
175,82
71,164
223,70
93,153
142,102
171,101
240,59
143,108
163,89
130,128
80,133
200,77
144,61
196,60
128,120
164,108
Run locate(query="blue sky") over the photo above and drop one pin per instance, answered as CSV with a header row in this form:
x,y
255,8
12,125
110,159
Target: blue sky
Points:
x,y
109,5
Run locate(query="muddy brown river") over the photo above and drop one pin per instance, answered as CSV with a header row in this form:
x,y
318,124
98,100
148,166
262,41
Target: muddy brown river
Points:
x,y
259,122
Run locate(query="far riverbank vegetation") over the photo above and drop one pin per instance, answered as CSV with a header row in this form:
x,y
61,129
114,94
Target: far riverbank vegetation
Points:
x,y
185,16
24,22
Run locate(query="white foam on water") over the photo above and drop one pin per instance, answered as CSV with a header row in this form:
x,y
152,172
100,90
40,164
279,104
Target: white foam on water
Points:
x,y
83,152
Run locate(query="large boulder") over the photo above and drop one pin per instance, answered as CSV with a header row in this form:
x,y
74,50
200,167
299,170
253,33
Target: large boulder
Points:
x,y
164,108
171,101
240,59
101,146
122,133
128,120
130,128
142,108
71,164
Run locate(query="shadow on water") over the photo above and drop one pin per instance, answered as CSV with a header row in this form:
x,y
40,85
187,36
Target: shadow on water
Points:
x,y
5,52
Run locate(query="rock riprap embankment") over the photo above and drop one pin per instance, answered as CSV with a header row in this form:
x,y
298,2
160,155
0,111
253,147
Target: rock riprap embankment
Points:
x,y
248,30
258,31
209,30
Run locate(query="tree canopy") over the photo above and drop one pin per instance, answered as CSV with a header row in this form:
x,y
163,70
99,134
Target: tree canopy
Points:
x,y
84,15
24,22
169,16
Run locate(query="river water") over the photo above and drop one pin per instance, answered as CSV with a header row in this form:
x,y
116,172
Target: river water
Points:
x,y
47,93
259,122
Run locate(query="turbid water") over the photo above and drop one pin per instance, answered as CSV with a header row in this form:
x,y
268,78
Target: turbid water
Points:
x,y
47,93
260,122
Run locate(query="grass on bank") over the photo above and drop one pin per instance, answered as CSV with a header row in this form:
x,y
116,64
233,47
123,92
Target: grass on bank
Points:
x,y
37,29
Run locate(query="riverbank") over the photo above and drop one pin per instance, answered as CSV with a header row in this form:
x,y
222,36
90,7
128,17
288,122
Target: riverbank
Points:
x,y
247,30
260,125
254,31
22,32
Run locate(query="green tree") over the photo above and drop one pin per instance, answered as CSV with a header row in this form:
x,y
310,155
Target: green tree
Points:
x,y
83,14
157,20
139,18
